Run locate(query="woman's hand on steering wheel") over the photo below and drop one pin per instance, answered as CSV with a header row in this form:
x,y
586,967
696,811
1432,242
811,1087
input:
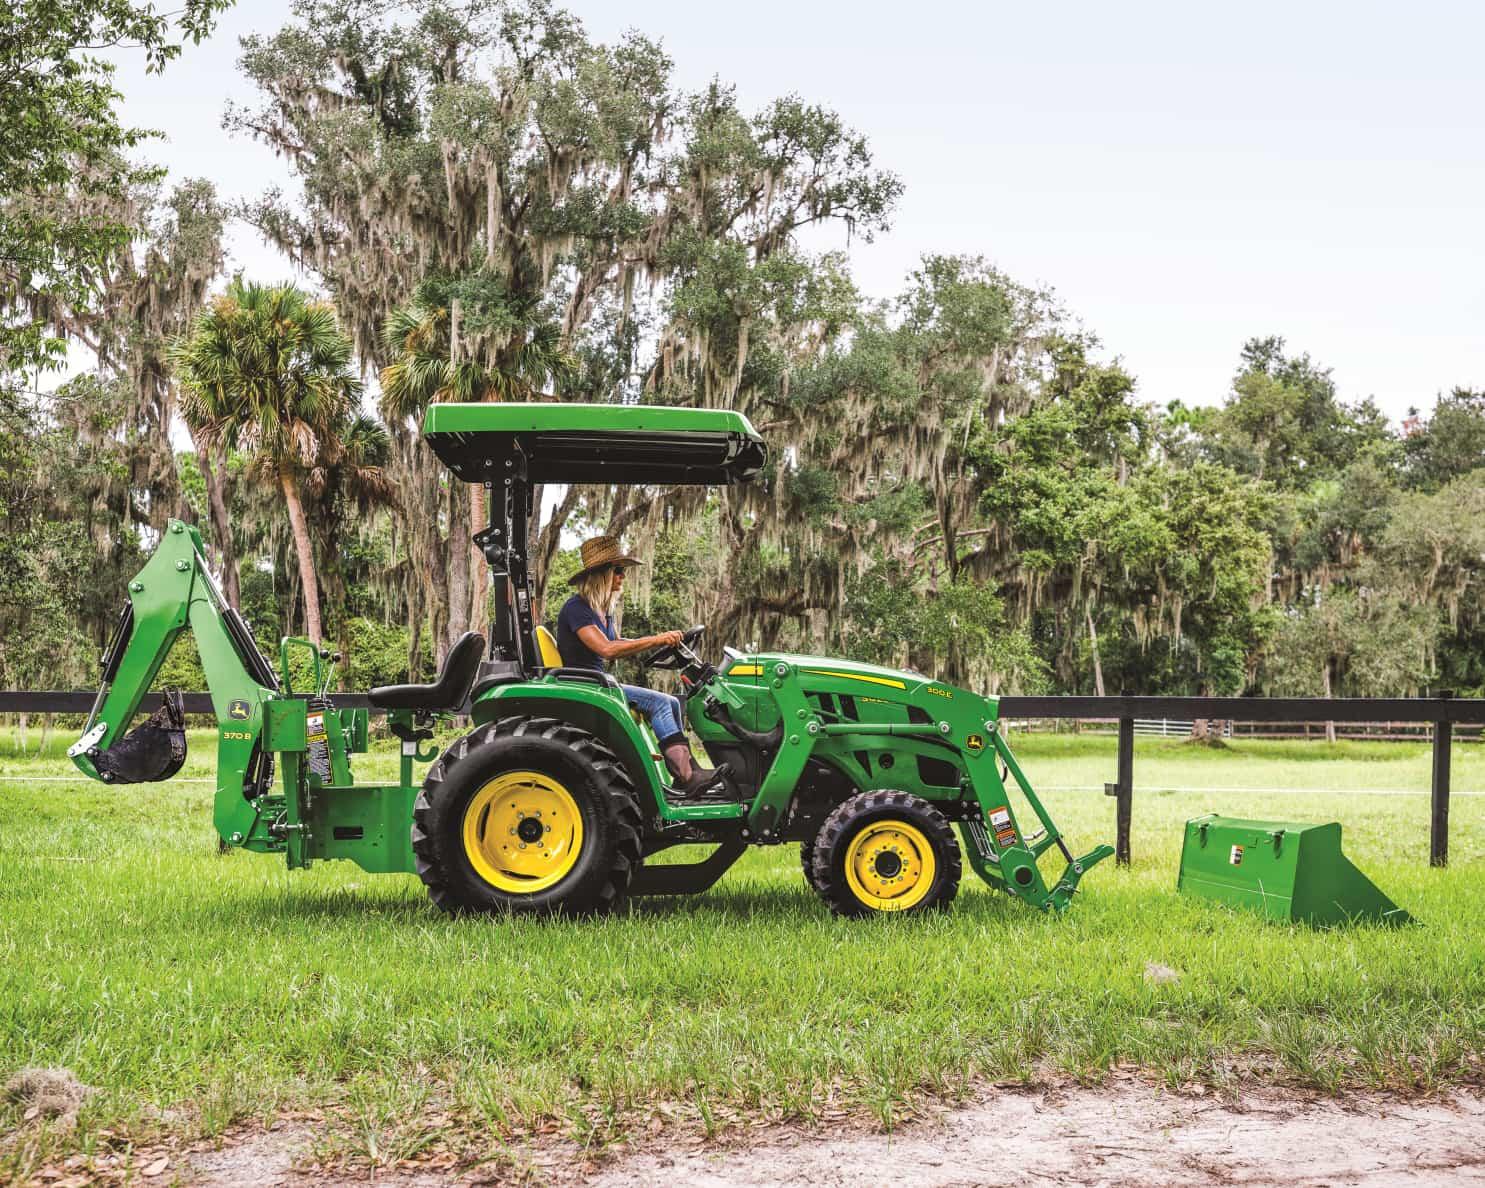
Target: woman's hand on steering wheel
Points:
x,y
666,656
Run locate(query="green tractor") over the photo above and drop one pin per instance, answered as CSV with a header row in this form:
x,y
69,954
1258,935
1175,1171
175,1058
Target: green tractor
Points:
x,y
557,797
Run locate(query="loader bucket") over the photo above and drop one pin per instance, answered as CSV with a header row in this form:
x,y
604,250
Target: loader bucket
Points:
x,y
1287,870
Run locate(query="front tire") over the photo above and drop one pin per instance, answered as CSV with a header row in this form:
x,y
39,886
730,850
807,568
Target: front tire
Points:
x,y
527,815
807,863
886,852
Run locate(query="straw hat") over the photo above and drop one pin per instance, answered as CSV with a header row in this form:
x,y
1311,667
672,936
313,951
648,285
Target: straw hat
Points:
x,y
599,552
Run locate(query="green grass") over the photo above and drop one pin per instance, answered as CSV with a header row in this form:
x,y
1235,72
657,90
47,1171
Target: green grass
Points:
x,y
217,988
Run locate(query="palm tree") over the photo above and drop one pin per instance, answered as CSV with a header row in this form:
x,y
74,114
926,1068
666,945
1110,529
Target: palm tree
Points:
x,y
344,491
506,349
433,360
266,370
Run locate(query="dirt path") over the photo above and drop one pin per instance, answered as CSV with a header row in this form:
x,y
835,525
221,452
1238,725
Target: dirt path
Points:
x,y
1123,1133
1116,1135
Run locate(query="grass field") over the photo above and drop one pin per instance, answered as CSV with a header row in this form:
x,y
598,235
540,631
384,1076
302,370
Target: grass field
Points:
x,y
196,990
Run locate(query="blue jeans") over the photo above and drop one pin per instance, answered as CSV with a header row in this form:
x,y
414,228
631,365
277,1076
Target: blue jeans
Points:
x,y
664,712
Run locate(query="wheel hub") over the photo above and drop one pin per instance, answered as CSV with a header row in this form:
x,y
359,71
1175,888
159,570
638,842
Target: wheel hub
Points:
x,y
890,865
523,832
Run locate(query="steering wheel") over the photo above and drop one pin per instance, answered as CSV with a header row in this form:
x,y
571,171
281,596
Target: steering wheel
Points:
x,y
670,657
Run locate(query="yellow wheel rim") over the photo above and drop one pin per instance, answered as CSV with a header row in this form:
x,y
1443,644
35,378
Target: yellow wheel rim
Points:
x,y
523,832
890,866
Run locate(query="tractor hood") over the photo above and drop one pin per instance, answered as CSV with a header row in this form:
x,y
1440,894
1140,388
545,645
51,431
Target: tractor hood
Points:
x,y
595,443
850,676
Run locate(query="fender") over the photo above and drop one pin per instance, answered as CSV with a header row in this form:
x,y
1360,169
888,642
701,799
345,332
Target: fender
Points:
x,y
599,708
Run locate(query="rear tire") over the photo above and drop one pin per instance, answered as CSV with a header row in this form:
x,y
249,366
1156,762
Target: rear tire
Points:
x,y
527,815
886,853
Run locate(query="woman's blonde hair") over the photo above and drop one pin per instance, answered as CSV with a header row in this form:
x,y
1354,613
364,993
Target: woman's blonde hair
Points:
x,y
597,589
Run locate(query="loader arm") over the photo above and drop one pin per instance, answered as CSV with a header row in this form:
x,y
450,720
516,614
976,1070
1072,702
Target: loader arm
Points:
x,y
174,591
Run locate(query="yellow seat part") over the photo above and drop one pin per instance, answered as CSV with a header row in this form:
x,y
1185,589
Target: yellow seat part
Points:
x,y
550,656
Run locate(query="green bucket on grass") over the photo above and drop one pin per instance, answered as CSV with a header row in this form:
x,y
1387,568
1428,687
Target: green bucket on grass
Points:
x,y
1286,870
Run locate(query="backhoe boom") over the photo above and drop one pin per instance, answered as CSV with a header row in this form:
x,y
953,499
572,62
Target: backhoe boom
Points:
x,y
174,591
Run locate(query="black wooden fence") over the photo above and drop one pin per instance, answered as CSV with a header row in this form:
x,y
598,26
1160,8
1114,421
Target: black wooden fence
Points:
x,y
1442,713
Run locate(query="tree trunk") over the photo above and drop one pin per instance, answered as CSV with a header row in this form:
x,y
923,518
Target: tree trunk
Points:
x,y
414,634
307,577
213,474
547,544
420,509
1325,677
1097,663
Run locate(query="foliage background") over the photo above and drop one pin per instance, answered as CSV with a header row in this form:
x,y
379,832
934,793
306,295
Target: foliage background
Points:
x,y
962,479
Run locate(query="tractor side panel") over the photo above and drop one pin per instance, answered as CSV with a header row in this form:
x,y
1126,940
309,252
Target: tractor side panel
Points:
x,y
840,765
919,764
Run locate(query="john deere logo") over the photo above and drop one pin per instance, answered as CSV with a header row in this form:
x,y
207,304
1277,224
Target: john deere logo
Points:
x,y
975,742
239,710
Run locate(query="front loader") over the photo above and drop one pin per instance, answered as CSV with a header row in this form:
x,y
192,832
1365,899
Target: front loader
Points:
x,y
558,795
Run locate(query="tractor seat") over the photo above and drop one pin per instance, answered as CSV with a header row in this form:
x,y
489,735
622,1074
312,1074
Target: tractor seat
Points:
x,y
448,692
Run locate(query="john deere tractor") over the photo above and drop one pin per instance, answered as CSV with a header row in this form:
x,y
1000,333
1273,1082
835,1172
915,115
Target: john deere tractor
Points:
x,y
557,796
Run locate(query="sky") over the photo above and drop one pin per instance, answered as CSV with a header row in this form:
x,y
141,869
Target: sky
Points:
x,y
1184,176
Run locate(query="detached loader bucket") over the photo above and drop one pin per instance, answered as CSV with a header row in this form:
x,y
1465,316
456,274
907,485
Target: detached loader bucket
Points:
x,y
1286,870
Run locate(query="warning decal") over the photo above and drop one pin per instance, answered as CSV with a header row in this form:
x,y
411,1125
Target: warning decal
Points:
x,y
1236,857
1005,831
315,727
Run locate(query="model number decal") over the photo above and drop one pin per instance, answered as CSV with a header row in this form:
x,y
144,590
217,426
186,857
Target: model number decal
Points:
x,y
240,735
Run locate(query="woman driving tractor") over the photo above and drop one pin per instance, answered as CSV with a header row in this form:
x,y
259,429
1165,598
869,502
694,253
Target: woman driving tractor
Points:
x,y
586,639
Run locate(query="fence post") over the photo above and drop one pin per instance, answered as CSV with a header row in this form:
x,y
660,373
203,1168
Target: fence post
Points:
x,y
1124,795
1438,834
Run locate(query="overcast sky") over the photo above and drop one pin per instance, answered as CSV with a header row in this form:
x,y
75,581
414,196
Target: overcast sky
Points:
x,y
1184,175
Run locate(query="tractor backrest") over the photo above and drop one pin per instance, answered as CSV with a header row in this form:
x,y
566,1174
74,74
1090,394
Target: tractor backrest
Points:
x,y
550,656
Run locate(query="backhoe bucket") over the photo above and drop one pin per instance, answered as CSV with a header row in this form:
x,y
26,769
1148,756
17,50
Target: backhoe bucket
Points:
x,y
154,750
1286,870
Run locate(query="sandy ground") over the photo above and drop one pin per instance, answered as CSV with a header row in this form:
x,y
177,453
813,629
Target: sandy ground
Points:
x,y
1119,1134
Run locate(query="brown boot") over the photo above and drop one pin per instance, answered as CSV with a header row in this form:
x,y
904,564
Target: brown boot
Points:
x,y
705,783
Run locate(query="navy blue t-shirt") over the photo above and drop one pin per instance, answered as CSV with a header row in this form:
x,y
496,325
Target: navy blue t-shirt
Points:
x,y
577,613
